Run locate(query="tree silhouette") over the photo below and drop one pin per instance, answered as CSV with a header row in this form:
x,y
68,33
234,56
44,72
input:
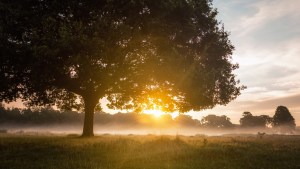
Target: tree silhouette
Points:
x,y
248,120
283,120
216,121
186,120
170,55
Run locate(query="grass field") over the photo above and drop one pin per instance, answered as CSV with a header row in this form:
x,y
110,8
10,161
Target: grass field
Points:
x,y
148,152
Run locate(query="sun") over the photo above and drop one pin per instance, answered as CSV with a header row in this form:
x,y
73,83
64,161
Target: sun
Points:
x,y
156,113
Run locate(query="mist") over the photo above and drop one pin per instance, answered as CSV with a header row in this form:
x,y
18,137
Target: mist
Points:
x,y
131,130
49,121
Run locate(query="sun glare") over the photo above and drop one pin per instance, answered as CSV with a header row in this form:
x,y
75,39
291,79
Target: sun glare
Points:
x,y
159,113
156,113
156,109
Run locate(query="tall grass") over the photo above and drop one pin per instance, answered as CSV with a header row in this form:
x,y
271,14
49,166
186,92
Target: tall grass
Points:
x,y
148,152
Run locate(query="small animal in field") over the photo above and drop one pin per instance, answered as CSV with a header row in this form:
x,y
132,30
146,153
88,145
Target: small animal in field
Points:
x,y
260,135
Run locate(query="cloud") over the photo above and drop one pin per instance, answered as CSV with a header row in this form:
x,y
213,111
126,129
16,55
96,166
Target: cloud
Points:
x,y
270,104
269,14
266,35
260,25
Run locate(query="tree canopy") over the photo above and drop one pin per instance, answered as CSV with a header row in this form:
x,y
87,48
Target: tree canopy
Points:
x,y
139,54
215,121
283,119
248,120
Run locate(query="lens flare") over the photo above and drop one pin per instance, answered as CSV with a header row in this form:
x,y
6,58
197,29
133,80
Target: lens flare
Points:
x,y
156,113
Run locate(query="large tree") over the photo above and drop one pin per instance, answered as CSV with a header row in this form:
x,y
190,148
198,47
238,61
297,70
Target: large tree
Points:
x,y
139,54
283,120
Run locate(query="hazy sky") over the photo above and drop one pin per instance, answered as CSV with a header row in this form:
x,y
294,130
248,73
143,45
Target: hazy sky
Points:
x,y
266,35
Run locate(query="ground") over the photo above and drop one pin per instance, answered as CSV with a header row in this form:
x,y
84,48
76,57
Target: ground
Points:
x,y
149,152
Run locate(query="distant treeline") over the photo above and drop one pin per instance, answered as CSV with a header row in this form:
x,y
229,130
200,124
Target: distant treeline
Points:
x,y
48,116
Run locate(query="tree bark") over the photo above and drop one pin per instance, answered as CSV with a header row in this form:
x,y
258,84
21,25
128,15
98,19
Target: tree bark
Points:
x,y
88,126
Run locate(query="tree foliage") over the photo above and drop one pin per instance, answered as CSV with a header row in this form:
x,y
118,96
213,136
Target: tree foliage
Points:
x,y
283,119
248,120
215,121
186,120
139,54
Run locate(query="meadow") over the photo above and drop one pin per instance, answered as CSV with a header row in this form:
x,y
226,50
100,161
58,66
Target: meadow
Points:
x,y
149,152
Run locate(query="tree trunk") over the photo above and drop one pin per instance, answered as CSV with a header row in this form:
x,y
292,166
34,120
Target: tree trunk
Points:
x,y
88,126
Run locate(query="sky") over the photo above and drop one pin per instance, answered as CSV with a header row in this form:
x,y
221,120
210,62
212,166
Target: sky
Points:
x,y
266,36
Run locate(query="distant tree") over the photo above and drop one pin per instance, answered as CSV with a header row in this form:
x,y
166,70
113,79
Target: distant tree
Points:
x,y
248,120
186,121
139,54
266,119
283,119
102,118
167,119
215,121
125,118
